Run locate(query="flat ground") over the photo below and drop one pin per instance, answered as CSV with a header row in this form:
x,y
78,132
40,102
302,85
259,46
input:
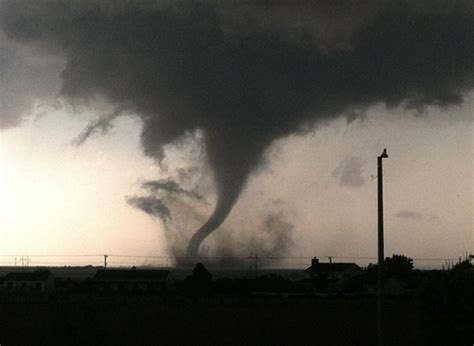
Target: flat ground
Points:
x,y
225,320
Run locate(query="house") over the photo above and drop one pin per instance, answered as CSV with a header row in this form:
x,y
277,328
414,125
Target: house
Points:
x,y
134,279
39,280
334,272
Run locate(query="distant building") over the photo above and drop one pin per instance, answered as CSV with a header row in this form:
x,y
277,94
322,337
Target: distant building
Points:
x,y
333,271
134,279
40,280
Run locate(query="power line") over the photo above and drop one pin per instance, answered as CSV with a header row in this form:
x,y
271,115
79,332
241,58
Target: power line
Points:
x,y
55,255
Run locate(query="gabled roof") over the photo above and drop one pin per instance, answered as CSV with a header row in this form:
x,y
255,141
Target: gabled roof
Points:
x,y
131,275
38,275
331,267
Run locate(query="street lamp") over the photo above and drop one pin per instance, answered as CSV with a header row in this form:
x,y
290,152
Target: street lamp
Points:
x,y
380,268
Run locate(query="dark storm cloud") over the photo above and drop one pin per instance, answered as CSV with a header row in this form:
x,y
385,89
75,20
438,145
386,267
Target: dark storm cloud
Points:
x,y
151,205
171,186
350,172
200,65
27,80
409,214
6,60
103,124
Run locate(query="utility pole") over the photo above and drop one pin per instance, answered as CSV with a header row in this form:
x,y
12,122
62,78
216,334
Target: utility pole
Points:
x,y
105,261
256,264
380,268
253,267
25,261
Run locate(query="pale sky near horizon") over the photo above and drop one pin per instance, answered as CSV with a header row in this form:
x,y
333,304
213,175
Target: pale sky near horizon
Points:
x,y
57,198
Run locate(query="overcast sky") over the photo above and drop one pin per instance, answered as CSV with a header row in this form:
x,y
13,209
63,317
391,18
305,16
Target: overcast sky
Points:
x,y
112,146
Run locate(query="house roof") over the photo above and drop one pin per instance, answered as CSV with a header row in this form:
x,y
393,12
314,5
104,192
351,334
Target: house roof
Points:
x,y
331,267
131,275
38,275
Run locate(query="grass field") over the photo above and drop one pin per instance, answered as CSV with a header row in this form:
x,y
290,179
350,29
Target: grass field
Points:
x,y
210,321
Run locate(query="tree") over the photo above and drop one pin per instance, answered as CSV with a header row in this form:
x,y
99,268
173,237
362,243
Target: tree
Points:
x,y
463,265
200,281
399,265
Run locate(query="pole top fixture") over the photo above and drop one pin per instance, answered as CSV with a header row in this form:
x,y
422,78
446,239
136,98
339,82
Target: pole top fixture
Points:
x,y
384,154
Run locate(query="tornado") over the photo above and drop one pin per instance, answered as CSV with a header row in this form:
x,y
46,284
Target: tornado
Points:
x,y
220,213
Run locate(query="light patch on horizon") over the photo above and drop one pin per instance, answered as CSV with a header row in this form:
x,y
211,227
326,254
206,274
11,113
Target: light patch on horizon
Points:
x,y
59,198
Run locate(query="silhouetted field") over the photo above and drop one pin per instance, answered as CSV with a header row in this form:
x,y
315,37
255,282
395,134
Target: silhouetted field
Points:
x,y
437,309
226,320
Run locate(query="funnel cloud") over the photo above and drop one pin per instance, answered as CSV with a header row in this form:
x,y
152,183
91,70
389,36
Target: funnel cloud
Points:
x,y
151,205
169,185
207,65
